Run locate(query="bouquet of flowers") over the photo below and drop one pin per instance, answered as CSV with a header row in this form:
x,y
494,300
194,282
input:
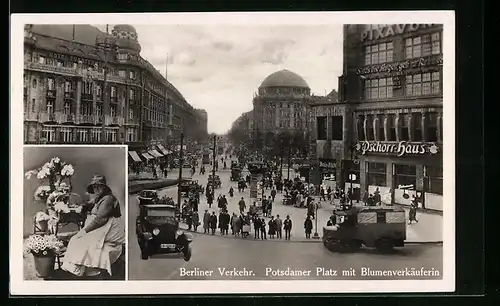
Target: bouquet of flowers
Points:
x,y
41,246
42,192
54,170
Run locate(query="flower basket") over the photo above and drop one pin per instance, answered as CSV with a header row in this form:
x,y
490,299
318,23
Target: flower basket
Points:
x,y
44,265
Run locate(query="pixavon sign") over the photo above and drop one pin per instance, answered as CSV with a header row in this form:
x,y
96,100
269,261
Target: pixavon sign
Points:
x,y
391,30
400,148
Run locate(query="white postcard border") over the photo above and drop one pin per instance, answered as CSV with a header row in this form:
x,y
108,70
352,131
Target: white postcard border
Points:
x,y
18,286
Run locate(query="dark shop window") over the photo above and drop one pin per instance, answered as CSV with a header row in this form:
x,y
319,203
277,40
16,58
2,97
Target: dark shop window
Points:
x,y
432,127
376,174
322,128
361,131
405,175
403,121
417,126
381,131
369,128
337,127
391,126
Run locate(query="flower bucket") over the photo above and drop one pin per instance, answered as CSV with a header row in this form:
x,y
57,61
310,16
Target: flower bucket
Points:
x,y
44,265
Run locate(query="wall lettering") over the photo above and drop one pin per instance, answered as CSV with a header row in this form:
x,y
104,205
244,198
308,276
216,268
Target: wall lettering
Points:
x,y
391,30
401,148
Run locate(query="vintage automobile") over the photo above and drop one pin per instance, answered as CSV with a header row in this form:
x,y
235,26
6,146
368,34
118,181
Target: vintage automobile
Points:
x,y
216,181
382,227
235,174
157,229
147,196
188,185
234,164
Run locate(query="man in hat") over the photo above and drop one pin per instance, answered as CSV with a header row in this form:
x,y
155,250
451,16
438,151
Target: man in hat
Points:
x,y
83,256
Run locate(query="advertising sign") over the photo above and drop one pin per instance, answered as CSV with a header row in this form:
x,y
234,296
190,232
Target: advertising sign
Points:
x,y
397,148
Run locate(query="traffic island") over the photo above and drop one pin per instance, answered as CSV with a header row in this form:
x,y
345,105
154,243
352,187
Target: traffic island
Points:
x,y
137,186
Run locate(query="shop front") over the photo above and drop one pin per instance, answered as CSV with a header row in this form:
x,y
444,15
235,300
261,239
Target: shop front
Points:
x,y
328,170
400,174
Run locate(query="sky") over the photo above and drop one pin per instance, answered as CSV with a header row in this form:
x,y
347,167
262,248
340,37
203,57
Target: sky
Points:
x,y
220,67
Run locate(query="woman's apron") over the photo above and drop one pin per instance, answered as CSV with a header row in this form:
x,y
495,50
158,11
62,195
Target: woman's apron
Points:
x,y
97,249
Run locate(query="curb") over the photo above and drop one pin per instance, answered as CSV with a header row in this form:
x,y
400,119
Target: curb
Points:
x,y
422,210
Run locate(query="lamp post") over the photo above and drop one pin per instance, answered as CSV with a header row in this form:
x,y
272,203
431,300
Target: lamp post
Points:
x,y
316,235
213,165
181,162
288,168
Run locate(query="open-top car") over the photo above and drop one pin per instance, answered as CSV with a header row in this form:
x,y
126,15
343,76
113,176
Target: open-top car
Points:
x,y
157,229
235,174
188,185
214,180
382,227
147,196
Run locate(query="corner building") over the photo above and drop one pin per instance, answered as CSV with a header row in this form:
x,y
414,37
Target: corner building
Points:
x,y
64,90
392,91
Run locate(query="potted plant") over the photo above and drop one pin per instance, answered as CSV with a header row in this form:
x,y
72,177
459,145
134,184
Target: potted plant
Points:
x,y
44,250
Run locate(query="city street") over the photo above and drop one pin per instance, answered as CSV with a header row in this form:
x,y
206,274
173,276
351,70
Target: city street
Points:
x,y
211,252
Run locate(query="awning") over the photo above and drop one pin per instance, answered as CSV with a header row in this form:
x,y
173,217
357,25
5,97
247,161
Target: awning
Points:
x,y
155,153
134,156
163,150
147,156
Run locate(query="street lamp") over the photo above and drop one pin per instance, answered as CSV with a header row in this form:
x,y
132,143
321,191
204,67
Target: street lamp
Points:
x,y
213,165
181,162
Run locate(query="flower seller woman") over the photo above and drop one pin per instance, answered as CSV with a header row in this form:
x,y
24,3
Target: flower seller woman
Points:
x,y
99,243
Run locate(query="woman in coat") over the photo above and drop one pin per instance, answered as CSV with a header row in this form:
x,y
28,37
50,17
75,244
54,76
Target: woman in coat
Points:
x,y
206,222
213,223
272,227
196,221
308,225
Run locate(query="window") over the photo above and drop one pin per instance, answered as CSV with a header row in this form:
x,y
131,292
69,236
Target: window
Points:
x,y
416,126
33,105
322,128
431,126
51,84
405,175
112,110
391,127
403,122
423,84
86,108
132,75
83,135
87,88
369,128
66,134
131,94
131,114
34,83
113,91
376,174
41,60
67,86
337,127
98,90
360,127
122,56
111,135
130,135
75,65
122,73
381,130
50,106
98,110
67,108
96,135
421,46
378,54
49,134
433,179
378,88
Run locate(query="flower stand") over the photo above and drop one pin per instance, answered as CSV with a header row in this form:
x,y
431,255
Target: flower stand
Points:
x,y
44,265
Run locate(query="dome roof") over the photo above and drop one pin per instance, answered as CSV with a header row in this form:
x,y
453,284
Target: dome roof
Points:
x,y
124,27
284,78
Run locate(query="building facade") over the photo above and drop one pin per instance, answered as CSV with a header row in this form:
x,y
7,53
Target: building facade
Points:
x,y
391,105
65,95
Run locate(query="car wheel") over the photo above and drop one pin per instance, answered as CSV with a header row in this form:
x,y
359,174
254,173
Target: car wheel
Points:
x,y
187,252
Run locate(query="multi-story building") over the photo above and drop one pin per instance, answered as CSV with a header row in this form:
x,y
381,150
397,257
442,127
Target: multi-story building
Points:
x,y
390,111
64,90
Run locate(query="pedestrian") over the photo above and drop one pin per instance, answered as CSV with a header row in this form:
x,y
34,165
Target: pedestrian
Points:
x,y
189,219
287,225
272,228
264,206
329,193
263,235
413,210
206,221
242,205
221,222
273,194
256,227
308,225
231,192
196,220
227,219
232,221
269,205
279,226
210,199
213,222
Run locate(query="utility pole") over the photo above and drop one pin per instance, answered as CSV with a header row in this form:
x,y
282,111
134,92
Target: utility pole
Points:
x,y
213,166
288,171
316,235
181,162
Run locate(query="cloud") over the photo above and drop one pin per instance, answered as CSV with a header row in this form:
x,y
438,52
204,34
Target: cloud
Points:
x,y
219,68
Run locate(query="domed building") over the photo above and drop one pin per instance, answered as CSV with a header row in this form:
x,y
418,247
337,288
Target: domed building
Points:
x,y
282,103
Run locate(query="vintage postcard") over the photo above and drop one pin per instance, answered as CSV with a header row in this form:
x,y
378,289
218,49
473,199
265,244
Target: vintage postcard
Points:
x,y
265,153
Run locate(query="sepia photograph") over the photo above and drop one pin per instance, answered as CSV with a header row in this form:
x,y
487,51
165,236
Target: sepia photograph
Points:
x,y
270,149
74,208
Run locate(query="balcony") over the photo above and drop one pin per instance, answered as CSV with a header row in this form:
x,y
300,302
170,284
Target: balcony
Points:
x,y
113,99
68,118
51,94
48,117
29,116
88,119
114,120
69,95
87,96
52,68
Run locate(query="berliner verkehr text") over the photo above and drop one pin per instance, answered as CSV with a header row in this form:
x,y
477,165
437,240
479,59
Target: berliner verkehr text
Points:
x,y
197,272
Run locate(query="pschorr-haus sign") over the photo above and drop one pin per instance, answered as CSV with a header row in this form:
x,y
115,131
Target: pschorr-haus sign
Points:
x,y
397,148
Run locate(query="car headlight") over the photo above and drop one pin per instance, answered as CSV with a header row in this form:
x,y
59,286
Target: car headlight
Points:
x,y
179,232
156,231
